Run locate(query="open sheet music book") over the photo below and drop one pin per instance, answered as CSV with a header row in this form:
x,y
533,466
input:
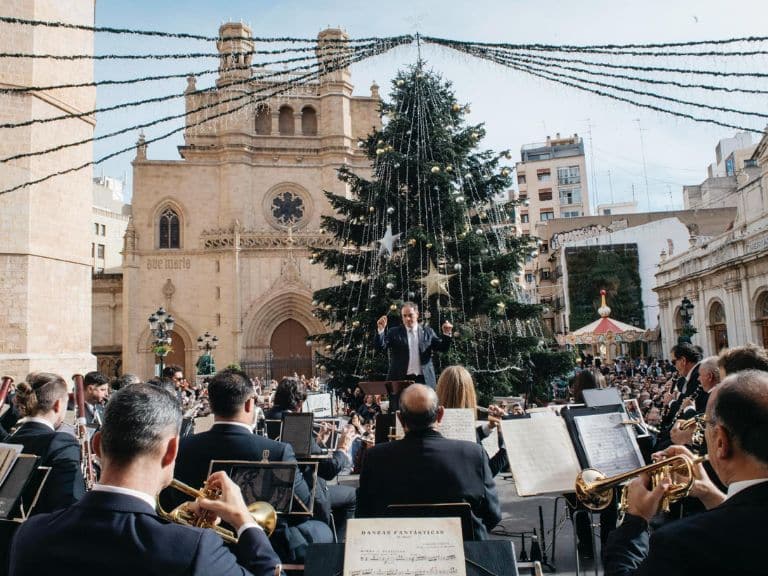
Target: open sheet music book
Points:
x,y
8,455
547,453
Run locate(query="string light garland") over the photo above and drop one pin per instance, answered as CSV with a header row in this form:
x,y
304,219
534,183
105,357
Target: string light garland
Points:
x,y
281,88
370,52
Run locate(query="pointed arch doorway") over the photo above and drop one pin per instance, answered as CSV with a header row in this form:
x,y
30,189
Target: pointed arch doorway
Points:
x,y
290,352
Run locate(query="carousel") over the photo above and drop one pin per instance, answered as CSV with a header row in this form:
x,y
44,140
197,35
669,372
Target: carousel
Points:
x,y
607,337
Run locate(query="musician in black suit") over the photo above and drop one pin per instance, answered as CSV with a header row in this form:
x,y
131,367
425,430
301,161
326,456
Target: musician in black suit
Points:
x,y
137,446
231,437
426,468
411,346
686,359
42,400
95,392
726,538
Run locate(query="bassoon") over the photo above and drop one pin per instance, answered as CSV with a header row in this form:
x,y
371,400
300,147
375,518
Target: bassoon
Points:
x,y
86,464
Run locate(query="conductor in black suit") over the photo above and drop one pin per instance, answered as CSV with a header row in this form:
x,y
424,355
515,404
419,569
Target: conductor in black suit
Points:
x,y
426,468
410,348
137,446
726,538
42,400
231,437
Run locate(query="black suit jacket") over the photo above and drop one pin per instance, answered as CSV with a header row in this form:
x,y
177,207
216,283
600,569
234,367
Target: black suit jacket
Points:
x,y
727,540
61,452
396,341
425,468
123,535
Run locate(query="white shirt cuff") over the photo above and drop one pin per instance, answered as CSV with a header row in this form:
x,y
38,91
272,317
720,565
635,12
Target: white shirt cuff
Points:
x,y
380,332
245,527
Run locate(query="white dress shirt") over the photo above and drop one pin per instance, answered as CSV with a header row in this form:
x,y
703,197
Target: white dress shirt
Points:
x,y
414,358
736,487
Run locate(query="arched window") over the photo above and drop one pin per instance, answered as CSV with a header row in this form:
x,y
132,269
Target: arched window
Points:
x,y
678,323
762,317
286,122
718,327
169,229
308,121
263,120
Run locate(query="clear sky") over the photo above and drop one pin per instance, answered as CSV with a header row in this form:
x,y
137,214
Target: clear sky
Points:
x,y
517,108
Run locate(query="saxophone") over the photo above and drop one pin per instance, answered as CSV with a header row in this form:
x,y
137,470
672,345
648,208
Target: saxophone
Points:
x,y
86,461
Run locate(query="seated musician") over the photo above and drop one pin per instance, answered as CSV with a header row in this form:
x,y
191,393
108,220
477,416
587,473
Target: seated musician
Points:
x,y
231,437
425,468
137,446
455,389
42,401
289,397
725,539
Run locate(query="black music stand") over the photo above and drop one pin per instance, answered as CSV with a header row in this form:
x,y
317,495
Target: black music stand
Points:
x,y
393,388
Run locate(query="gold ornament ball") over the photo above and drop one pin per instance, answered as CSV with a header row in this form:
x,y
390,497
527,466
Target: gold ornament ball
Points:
x,y
401,82
356,323
495,282
371,209
412,242
393,307
429,245
475,135
448,168
435,169
379,151
456,107
505,172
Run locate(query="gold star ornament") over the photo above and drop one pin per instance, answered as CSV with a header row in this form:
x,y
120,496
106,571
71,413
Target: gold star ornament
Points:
x,y
435,282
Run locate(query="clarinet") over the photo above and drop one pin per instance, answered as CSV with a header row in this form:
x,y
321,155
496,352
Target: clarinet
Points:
x,y
86,465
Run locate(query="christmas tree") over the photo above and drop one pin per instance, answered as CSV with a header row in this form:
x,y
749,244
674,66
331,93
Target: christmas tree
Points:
x,y
435,226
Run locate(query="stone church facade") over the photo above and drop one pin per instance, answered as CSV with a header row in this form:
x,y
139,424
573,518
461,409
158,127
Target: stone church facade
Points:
x,y
222,238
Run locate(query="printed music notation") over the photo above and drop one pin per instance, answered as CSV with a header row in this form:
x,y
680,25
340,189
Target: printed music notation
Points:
x,y
457,424
404,547
609,445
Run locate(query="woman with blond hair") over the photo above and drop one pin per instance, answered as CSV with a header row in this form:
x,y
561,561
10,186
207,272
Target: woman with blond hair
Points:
x,y
42,401
456,389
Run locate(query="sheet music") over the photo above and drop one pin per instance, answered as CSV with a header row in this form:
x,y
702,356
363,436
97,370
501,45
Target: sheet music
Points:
x,y
457,424
609,445
404,547
541,455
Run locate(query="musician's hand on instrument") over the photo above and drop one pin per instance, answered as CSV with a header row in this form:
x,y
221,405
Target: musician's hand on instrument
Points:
x,y
230,506
681,437
641,500
703,488
381,323
688,403
494,410
447,328
493,422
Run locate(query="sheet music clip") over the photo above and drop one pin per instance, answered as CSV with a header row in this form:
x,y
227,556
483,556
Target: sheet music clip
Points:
x,y
265,456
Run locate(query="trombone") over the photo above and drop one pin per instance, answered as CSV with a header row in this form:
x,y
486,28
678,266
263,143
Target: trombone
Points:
x,y
595,490
262,512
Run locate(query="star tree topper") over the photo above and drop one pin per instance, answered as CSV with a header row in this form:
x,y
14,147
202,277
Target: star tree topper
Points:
x,y
388,242
435,282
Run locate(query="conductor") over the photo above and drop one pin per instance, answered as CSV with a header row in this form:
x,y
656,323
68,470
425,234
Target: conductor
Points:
x,y
411,346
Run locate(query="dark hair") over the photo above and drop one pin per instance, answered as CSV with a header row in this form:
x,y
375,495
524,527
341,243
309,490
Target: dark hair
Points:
x,y
171,369
421,420
687,351
137,419
228,391
290,393
39,392
741,406
749,357
125,380
584,380
95,379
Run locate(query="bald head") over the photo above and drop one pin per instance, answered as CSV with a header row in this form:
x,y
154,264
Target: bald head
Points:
x,y
418,408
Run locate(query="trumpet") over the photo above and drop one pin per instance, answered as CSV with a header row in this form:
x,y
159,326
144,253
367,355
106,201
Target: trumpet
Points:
x,y
262,512
595,490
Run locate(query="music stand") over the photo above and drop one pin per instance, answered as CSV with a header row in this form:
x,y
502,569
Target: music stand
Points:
x,y
392,388
270,482
297,431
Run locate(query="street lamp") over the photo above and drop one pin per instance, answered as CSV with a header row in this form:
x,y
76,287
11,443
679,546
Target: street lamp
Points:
x,y
161,325
206,343
686,312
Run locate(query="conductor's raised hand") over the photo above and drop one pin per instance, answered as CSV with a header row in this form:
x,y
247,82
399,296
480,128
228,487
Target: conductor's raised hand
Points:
x,y
447,328
381,323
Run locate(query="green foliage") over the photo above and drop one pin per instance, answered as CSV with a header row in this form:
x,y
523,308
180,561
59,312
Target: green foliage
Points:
x,y
614,269
440,193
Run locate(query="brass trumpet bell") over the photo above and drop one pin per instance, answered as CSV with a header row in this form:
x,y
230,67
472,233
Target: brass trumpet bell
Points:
x,y
262,513
595,490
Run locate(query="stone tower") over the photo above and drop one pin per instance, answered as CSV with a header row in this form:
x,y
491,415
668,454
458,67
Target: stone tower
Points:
x,y
45,273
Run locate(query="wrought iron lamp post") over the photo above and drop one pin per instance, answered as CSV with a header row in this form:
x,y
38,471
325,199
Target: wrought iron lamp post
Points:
x,y
206,344
161,326
686,312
